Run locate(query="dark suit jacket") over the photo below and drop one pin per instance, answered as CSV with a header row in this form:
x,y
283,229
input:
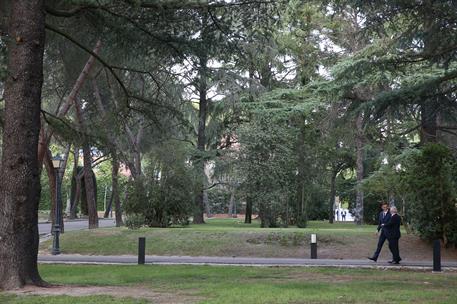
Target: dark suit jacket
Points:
x,y
382,220
392,227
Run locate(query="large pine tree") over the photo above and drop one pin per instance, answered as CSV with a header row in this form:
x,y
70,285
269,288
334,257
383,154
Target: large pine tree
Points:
x,y
20,181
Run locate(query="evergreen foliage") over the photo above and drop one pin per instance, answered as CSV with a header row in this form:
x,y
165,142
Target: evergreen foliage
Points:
x,y
431,185
162,197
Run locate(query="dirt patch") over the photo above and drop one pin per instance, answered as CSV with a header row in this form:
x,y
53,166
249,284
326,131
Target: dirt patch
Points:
x,y
135,292
411,248
290,239
296,245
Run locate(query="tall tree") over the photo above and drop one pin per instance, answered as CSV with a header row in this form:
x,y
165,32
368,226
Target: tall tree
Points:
x,y
359,147
20,187
202,120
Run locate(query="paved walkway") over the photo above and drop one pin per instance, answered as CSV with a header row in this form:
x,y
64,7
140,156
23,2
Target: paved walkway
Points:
x,y
80,224
236,261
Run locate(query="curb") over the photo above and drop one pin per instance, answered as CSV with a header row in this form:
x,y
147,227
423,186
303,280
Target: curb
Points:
x,y
226,261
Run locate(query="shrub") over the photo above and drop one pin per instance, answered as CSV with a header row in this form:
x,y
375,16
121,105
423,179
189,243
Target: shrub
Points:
x,y
432,191
162,201
134,221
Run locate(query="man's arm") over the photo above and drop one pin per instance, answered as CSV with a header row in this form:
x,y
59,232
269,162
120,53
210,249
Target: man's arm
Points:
x,y
392,221
379,222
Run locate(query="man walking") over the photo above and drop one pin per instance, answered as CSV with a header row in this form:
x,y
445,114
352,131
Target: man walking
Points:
x,y
393,234
383,218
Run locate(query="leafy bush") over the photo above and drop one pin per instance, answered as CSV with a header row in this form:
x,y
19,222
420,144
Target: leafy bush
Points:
x,y
432,190
134,221
160,203
164,195
302,221
318,204
219,200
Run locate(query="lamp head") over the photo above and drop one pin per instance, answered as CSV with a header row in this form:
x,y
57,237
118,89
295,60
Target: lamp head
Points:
x,y
57,162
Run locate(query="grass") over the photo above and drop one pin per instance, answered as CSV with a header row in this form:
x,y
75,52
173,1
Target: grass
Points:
x,y
219,237
12,299
231,237
251,285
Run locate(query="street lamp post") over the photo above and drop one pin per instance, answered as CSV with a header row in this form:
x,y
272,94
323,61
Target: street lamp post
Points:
x,y
57,163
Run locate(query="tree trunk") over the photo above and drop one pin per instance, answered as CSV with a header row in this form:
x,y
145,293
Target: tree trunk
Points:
x,y
428,131
265,76
75,185
20,179
201,142
359,169
134,164
206,203
108,207
231,208
331,209
61,176
115,190
264,223
90,187
137,158
248,215
267,217
205,192
89,183
301,216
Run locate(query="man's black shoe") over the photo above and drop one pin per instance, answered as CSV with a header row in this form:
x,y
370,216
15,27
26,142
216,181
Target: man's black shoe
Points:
x,y
390,262
373,259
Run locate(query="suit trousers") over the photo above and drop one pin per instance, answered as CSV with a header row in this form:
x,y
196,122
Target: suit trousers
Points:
x,y
393,246
381,240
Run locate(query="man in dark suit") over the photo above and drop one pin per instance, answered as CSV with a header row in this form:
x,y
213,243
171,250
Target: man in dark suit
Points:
x,y
383,218
392,232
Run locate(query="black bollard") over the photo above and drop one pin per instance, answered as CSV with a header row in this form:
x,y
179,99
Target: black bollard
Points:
x,y
141,250
437,255
313,246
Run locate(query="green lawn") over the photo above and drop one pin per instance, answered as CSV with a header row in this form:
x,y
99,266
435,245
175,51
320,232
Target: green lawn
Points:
x,y
231,237
10,299
219,237
250,285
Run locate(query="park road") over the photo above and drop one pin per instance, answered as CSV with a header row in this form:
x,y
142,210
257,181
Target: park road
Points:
x,y
80,224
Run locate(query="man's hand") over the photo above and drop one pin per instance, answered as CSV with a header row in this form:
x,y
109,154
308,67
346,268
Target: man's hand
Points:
x,y
377,233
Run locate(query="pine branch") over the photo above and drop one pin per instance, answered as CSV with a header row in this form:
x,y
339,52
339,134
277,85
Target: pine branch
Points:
x,y
110,68
157,5
89,51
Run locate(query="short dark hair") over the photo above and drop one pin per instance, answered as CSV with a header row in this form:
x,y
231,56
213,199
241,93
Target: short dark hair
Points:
x,y
384,203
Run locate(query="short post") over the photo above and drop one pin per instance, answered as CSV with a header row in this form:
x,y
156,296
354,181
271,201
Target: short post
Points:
x,y
313,246
437,255
141,250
